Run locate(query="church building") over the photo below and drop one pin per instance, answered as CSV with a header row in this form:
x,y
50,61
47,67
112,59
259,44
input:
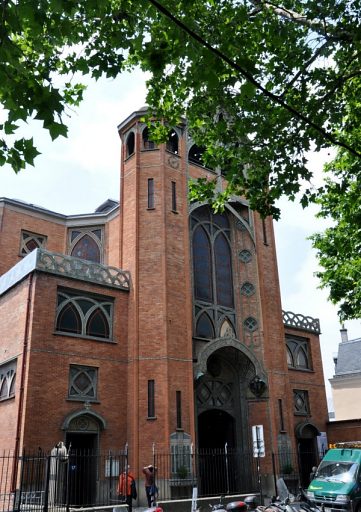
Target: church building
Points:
x,y
154,323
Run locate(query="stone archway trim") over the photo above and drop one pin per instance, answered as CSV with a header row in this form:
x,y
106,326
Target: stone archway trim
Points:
x,y
200,368
83,412
300,427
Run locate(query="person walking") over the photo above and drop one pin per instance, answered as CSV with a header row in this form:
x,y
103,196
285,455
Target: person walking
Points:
x,y
127,489
150,488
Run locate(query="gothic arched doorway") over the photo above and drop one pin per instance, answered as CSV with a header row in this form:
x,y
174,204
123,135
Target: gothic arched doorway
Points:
x,y
82,430
306,434
223,389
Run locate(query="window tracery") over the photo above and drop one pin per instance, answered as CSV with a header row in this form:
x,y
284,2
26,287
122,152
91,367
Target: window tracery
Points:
x,y
212,274
86,243
7,380
82,382
84,315
298,353
30,241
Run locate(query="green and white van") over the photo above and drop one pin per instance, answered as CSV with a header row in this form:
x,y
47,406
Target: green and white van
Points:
x,y
337,482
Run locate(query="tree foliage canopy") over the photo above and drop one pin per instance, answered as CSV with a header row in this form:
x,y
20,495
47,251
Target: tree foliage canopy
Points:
x,y
260,83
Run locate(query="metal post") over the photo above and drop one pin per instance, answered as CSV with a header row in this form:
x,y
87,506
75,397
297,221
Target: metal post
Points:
x,y
68,480
227,469
47,478
274,473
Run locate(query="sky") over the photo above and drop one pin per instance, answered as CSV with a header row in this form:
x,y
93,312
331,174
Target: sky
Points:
x,y
77,174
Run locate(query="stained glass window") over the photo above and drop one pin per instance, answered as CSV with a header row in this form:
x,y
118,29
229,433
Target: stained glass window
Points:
x,y
86,243
212,270
202,265
87,249
223,266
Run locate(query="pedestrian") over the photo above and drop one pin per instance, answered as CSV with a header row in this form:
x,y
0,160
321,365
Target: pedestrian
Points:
x,y
313,473
127,489
150,487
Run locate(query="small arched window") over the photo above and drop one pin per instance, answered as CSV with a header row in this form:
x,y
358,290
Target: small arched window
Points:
x,y
86,243
7,380
147,142
87,249
69,319
205,327
172,142
97,325
227,330
130,144
195,154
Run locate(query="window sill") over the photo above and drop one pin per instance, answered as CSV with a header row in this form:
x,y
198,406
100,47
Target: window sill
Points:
x,y
175,211
152,208
151,418
7,399
305,370
83,400
82,337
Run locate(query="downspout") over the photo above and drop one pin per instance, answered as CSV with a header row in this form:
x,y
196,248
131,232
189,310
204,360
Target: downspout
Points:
x,y
22,382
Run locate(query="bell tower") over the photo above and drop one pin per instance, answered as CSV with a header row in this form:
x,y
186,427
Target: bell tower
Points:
x,y
154,247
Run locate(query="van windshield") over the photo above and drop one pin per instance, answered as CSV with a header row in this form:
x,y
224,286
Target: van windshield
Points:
x,y
337,471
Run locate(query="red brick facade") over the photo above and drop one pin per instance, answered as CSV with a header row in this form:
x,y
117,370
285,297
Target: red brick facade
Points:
x,y
154,339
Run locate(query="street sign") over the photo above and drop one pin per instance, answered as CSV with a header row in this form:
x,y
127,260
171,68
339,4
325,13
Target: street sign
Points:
x,y
258,441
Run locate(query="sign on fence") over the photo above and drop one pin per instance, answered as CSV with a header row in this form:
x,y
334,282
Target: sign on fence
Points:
x,y
258,441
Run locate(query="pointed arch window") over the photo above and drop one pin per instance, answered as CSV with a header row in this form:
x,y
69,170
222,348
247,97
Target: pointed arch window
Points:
x,y
7,380
204,327
212,272
298,353
223,270
227,330
84,315
86,243
202,265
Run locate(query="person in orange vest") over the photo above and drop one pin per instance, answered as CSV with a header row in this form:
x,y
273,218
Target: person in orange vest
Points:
x,y
127,489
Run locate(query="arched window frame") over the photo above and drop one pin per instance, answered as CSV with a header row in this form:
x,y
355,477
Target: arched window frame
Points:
x,y
296,345
103,304
130,144
7,380
73,240
172,144
147,143
208,222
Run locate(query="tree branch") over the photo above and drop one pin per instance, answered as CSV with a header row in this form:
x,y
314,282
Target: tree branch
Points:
x,y
316,25
305,66
248,76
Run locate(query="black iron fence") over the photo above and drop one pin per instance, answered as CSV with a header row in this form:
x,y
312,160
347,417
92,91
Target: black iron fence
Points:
x,y
43,482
